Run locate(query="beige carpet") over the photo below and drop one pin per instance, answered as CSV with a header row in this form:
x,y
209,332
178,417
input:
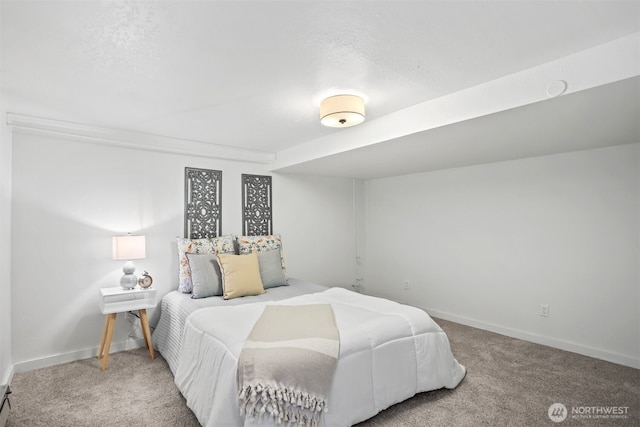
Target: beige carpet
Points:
x,y
509,383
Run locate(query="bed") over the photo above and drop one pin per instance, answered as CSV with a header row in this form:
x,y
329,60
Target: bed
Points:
x,y
388,351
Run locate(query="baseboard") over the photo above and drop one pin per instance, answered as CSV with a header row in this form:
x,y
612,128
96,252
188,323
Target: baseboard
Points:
x,y
617,358
45,362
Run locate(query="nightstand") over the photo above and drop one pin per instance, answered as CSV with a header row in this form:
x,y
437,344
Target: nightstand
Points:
x,y
119,300
5,405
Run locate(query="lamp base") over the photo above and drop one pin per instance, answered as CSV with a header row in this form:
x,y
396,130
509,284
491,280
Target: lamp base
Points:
x,y
129,281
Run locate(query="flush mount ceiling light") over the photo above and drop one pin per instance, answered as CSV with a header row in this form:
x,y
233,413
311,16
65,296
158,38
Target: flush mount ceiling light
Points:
x,y
341,111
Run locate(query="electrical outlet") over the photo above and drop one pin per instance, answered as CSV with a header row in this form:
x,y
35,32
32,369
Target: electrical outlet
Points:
x,y
544,310
406,285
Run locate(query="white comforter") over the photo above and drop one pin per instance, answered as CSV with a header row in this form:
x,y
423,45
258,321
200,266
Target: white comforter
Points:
x,y
388,353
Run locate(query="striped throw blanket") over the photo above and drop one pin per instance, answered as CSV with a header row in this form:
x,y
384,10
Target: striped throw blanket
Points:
x,y
285,369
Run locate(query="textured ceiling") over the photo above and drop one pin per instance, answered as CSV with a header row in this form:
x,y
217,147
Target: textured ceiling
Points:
x,y
251,74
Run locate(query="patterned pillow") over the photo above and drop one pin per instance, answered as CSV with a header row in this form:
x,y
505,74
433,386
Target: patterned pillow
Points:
x,y
249,244
216,245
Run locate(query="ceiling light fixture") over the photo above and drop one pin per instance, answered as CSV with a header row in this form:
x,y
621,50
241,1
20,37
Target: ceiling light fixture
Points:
x,y
341,111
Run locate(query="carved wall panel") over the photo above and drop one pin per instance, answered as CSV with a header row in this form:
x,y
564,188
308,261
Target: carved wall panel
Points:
x,y
202,203
257,217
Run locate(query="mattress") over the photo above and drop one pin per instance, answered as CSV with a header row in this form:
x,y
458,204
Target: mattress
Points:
x,y
388,353
177,306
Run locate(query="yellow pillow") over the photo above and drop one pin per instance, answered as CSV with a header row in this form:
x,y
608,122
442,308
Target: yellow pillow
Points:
x,y
240,275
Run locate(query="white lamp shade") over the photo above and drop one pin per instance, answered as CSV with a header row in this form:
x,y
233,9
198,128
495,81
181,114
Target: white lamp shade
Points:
x,y
341,111
128,247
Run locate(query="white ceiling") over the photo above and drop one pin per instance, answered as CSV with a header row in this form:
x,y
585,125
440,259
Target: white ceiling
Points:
x,y
599,117
251,75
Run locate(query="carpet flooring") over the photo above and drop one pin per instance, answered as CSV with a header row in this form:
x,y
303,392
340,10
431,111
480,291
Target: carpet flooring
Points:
x,y
509,382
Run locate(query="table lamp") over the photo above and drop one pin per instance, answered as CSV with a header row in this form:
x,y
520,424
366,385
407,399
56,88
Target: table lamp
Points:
x,y
128,248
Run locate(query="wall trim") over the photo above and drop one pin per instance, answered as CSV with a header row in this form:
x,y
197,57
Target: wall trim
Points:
x,y
620,359
134,140
58,359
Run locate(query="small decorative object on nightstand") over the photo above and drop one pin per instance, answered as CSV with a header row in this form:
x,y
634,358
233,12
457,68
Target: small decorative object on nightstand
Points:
x,y
119,300
126,248
145,281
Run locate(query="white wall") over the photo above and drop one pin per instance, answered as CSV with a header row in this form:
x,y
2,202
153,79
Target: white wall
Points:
x,y
316,209
5,241
486,245
5,250
70,197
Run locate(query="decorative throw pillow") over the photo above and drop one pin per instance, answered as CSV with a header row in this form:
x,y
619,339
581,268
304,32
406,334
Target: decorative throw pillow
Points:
x,y
248,244
216,245
240,275
205,275
271,271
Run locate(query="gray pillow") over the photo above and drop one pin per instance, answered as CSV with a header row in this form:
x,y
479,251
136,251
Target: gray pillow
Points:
x,y
271,271
205,275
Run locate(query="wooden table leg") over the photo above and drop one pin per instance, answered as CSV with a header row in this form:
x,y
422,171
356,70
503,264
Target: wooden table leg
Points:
x,y
111,321
103,340
144,321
